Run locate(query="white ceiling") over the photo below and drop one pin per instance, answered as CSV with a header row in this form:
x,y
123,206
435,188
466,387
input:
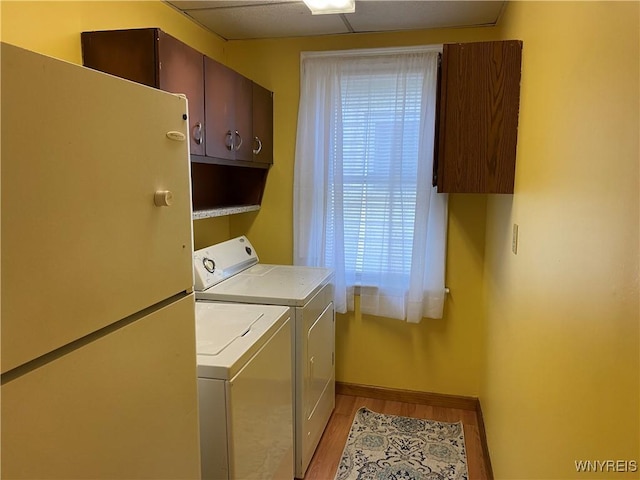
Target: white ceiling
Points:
x,y
236,20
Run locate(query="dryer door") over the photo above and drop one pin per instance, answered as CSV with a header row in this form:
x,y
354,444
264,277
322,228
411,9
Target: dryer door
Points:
x,y
320,364
318,392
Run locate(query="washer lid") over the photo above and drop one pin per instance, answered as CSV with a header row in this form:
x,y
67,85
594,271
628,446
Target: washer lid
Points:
x,y
216,331
229,335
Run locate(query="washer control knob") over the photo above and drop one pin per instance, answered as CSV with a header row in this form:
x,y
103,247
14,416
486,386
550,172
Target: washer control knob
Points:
x,y
209,265
163,198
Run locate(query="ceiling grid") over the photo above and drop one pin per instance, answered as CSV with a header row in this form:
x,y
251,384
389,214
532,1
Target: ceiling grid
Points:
x,y
240,20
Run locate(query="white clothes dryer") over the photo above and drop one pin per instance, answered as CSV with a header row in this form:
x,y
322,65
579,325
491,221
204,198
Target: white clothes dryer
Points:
x,y
230,272
244,389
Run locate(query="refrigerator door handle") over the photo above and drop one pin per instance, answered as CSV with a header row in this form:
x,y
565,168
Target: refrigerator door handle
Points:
x,y
163,198
177,136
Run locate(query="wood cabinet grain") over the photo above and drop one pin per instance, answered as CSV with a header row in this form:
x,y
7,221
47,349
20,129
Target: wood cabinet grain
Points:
x,y
477,117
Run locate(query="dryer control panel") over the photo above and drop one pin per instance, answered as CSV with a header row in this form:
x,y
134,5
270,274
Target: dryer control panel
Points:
x,y
218,262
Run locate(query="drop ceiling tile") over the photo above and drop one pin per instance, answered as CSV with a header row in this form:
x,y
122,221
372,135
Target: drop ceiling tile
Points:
x,y
374,16
289,19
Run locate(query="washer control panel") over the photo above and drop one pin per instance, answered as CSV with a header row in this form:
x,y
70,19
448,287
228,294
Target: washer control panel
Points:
x,y
218,262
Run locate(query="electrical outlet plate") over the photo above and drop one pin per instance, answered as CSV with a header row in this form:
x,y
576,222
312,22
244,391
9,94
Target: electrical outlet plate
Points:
x,y
514,239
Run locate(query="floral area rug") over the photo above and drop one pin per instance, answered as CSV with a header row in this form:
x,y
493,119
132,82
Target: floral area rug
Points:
x,y
387,447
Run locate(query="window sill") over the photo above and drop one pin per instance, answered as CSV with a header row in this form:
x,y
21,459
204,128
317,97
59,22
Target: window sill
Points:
x,y
356,289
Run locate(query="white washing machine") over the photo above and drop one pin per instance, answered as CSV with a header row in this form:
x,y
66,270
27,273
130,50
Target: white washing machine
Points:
x,y
230,272
244,389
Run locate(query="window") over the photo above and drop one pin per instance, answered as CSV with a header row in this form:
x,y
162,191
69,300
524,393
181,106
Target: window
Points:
x,y
363,202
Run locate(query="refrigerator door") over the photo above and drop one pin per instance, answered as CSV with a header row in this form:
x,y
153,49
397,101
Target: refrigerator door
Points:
x,y
84,243
121,406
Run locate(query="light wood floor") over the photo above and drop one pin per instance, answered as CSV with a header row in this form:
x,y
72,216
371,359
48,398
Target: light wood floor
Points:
x,y
327,456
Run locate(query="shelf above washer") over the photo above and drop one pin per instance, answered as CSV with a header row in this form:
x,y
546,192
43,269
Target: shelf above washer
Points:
x,y
222,211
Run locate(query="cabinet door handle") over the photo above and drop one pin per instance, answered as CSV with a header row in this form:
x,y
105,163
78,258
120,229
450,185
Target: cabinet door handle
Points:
x,y
237,147
258,149
197,133
228,141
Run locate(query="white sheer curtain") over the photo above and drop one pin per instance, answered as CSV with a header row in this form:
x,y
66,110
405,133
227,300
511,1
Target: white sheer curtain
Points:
x,y
363,200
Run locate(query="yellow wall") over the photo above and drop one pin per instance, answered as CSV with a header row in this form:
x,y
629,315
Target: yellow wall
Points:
x,y
53,28
435,356
562,373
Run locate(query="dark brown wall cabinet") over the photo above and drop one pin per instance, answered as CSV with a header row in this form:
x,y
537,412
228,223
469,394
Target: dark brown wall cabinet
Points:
x,y
477,117
230,117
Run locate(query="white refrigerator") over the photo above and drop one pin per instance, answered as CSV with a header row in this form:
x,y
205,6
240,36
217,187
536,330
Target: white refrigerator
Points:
x,y
97,330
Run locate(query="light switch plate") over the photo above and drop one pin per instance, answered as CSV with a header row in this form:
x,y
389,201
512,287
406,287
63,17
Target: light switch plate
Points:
x,y
514,239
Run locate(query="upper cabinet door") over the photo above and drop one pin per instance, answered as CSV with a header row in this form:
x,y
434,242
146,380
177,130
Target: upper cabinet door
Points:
x,y
244,118
262,125
228,113
219,109
477,124
181,70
